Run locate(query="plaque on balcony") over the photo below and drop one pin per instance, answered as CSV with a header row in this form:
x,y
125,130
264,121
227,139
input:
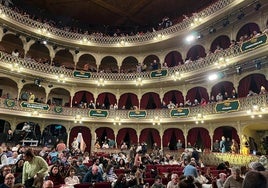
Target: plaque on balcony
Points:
x,y
180,112
98,113
38,106
159,73
10,103
82,74
58,109
227,106
137,114
254,42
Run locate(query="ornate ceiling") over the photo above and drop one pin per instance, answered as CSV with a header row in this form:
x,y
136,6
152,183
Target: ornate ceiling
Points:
x,y
113,13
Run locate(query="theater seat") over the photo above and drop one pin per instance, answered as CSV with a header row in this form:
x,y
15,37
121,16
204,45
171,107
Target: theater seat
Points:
x,y
83,185
103,185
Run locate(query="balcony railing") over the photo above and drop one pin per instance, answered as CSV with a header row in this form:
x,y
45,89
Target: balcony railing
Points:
x,y
47,70
164,114
22,21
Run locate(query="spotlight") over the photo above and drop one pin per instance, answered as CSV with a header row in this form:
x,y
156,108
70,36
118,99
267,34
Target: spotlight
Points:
x,y
238,70
50,85
258,65
212,30
240,15
37,82
76,51
225,22
190,38
44,42
23,81
257,6
5,30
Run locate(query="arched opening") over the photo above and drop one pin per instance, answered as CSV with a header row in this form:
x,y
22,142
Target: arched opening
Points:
x,y
104,134
87,63
197,93
174,96
173,59
64,59
246,31
39,52
222,42
150,101
129,65
27,131
4,136
128,101
9,88
199,137
105,100
11,42
108,65
150,136
127,135
59,97
196,52
54,133
171,137
82,97
149,61
84,132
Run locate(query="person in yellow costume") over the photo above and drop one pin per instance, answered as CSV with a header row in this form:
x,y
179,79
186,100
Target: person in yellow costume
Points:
x,y
31,98
244,145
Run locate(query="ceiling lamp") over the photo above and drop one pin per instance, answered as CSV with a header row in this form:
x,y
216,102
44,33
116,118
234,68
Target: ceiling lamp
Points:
x,y
16,67
176,76
139,82
222,62
256,111
156,121
200,118
101,82
78,119
117,121
61,78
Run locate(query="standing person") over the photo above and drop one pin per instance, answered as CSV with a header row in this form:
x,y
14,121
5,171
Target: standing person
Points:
x,y
223,148
34,168
234,180
3,158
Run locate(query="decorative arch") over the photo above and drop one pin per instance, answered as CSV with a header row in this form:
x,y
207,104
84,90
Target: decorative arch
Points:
x,y
197,93
104,133
150,100
127,135
85,131
175,96
64,58
196,52
150,136
9,88
247,29
39,51
199,137
82,96
39,92
171,136
4,127
87,62
227,132
129,100
107,99
59,97
149,60
129,65
251,82
223,41
11,42
34,133
109,65
222,87
173,59
54,133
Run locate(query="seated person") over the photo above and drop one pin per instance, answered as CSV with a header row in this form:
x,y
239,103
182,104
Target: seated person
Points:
x,y
93,175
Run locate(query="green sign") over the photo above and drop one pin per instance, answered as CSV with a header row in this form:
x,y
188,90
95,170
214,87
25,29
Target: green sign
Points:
x,y
180,112
254,42
58,109
227,106
38,106
98,113
82,74
159,73
10,103
137,114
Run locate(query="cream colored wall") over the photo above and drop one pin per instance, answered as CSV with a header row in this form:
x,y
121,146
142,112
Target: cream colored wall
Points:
x,y
13,92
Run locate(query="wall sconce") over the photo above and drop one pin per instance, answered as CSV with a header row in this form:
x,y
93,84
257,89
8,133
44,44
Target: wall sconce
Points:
x,y
61,78
159,37
156,121
34,113
117,121
16,67
222,62
78,119
256,111
139,82
176,76
200,118
101,82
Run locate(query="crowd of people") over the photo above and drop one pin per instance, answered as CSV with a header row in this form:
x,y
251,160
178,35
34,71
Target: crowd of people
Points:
x,y
136,166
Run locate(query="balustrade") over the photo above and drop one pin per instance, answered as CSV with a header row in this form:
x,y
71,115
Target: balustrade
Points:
x,y
22,21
